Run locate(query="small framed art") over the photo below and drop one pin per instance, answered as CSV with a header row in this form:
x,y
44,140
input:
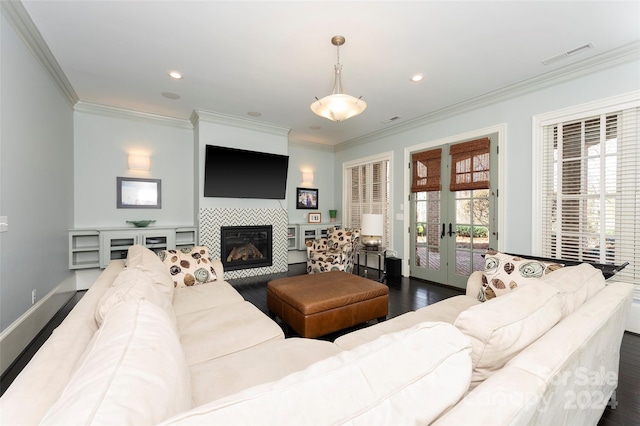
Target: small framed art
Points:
x,y
307,198
315,217
138,193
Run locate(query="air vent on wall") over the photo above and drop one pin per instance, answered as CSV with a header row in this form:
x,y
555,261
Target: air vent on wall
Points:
x,y
389,120
567,54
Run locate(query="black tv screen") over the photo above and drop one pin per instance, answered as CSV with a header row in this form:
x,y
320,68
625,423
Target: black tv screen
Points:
x,y
237,173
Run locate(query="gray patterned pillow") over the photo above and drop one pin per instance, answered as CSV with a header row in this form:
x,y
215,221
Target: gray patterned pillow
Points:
x,y
189,267
504,272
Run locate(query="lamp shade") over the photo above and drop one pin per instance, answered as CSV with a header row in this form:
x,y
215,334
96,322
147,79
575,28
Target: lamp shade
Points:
x,y
372,224
338,107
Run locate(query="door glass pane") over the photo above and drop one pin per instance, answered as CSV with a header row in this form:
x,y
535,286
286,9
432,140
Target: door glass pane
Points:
x,y
427,232
472,230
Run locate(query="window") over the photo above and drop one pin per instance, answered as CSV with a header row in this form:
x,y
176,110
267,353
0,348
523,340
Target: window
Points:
x,y
590,187
470,165
426,170
367,190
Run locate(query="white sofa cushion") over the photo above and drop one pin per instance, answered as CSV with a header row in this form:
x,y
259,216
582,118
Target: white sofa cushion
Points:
x,y
135,372
408,377
502,327
577,284
187,300
267,362
223,330
130,285
443,311
150,263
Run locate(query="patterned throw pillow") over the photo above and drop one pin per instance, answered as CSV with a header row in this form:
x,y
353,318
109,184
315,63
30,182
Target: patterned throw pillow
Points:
x,y
189,267
504,272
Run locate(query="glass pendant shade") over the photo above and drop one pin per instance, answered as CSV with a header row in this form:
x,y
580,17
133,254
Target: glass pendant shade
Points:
x,y
338,106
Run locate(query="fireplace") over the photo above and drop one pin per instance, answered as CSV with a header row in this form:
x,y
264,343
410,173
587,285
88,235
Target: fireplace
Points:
x,y
244,247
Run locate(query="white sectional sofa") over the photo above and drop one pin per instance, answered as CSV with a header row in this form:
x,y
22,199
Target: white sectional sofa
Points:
x,y
135,350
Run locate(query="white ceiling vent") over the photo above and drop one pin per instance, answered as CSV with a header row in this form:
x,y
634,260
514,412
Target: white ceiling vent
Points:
x,y
389,120
568,53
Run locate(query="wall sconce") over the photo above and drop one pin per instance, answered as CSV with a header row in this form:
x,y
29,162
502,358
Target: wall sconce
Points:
x,y
307,179
139,162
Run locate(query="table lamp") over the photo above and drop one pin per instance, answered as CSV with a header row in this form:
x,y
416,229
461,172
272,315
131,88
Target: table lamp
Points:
x,y
371,230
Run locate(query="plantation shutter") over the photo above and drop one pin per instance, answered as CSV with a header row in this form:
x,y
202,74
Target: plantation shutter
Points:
x,y
591,190
470,165
367,188
426,170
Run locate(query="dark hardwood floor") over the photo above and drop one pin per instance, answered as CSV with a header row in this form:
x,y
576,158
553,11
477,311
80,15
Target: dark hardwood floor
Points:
x,y
405,294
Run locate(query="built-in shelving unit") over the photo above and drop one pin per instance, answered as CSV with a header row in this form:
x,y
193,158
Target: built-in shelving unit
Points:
x,y
312,231
93,248
84,249
292,236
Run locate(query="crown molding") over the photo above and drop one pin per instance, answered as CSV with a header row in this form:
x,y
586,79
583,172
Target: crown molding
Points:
x,y
244,123
311,145
626,53
128,114
21,22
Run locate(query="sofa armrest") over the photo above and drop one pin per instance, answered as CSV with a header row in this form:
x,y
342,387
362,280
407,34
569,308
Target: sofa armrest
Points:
x,y
474,283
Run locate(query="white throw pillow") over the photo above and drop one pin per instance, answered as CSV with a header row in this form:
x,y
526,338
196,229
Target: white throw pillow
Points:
x,y
150,263
502,327
133,284
576,284
135,372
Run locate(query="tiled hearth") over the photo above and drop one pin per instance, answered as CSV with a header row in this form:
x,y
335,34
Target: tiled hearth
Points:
x,y
213,219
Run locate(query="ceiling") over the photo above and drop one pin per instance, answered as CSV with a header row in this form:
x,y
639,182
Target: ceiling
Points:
x,y
274,58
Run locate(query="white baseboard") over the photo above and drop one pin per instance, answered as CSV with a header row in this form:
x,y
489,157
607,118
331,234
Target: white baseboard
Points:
x,y
15,338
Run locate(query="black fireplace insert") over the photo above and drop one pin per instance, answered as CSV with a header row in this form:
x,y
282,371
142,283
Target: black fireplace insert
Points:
x,y
244,247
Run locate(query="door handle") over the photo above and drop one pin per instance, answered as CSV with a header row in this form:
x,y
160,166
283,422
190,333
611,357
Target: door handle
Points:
x,y
442,233
451,231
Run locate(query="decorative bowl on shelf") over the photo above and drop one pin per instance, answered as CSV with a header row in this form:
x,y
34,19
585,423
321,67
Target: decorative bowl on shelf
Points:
x,y
141,223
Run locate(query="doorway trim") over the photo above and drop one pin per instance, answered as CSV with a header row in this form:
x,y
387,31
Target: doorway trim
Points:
x,y
501,130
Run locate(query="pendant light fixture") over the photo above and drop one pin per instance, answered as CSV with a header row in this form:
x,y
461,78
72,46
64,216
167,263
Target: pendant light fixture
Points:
x,y
338,106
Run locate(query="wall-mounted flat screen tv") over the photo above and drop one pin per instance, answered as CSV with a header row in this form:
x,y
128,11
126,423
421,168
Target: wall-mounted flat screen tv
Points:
x,y
238,173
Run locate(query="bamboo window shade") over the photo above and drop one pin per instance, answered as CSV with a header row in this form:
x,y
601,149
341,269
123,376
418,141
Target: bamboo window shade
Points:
x,y
470,165
426,170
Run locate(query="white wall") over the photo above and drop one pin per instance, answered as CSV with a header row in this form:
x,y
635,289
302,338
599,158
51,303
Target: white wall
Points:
x,y
318,159
517,113
36,178
103,139
214,129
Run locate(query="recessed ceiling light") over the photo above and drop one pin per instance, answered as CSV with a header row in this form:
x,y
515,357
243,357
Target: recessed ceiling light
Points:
x,y
417,77
175,74
254,113
170,95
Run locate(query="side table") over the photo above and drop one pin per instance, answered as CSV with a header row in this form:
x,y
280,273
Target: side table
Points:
x,y
366,251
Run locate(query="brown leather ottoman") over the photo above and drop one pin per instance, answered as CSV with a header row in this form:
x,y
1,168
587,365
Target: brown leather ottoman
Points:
x,y
318,304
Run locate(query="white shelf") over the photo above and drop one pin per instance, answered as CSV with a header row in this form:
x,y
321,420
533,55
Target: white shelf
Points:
x,y
96,248
312,231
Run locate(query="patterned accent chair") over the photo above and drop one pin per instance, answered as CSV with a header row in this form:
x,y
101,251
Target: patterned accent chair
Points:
x,y
334,253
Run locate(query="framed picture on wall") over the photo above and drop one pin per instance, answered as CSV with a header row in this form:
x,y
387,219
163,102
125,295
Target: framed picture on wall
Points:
x,y
138,193
315,217
307,198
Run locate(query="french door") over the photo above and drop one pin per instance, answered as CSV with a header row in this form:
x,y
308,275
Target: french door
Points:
x,y
452,228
